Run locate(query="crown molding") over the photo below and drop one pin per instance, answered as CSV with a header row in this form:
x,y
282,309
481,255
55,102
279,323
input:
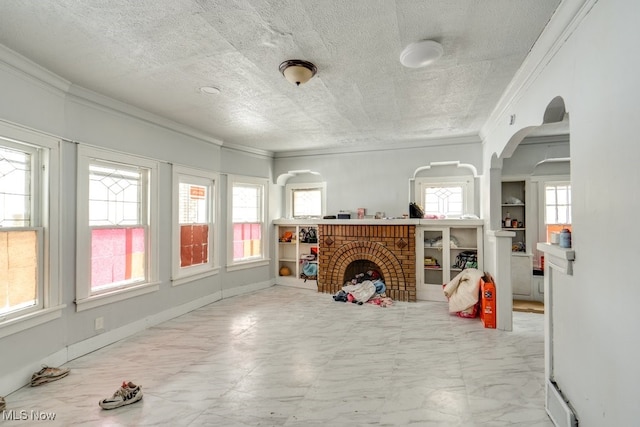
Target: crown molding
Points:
x,y
435,142
93,99
248,150
23,67
565,20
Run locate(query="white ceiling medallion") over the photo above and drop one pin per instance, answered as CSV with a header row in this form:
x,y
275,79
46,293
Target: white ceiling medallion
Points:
x,y
421,54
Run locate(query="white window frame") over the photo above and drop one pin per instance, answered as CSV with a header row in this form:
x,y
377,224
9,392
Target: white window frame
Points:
x,y
290,188
85,299
45,217
264,259
468,190
542,182
183,174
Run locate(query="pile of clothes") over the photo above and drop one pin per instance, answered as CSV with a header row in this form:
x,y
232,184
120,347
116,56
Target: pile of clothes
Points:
x,y
367,287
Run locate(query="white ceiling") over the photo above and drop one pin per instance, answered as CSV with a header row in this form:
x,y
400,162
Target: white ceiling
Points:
x,y
156,54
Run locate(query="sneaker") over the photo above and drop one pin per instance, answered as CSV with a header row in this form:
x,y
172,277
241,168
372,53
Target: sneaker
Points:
x,y
47,374
127,394
3,404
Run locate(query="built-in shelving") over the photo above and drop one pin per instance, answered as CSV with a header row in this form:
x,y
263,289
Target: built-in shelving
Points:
x,y
297,244
442,243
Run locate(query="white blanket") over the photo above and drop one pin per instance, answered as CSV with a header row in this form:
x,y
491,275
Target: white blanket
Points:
x,y
463,290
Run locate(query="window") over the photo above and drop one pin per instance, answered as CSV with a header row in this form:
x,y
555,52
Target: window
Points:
x,y
306,200
194,226
29,283
557,207
452,197
247,207
116,225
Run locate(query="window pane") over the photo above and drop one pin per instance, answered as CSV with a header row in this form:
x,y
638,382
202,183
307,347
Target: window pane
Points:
x,y
563,197
194,244
15,188
192,203
117,257
307,203
550,215
247,241
563,215
557,204
115,195
18,270
550,196
444,200
247,203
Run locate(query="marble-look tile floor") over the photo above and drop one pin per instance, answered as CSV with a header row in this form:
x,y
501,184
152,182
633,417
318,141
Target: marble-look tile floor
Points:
x,y
292,357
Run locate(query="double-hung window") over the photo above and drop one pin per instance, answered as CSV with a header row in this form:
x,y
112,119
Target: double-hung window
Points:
x,y
194,209
29,229
247,210
117,227
451,197
557,207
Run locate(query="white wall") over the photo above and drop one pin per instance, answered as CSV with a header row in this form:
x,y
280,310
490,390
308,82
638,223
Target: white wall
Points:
x,y
33,98
596,317
376,180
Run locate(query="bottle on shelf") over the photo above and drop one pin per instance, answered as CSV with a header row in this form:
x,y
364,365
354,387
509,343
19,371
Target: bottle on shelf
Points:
x,y
507,220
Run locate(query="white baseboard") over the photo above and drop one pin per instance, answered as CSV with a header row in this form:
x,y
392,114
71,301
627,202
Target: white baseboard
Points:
x,y
240,290
94,343
21,377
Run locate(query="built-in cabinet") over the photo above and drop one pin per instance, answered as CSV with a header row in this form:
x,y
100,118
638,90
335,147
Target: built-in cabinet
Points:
x,y
446,248
520,216
297,245
514,212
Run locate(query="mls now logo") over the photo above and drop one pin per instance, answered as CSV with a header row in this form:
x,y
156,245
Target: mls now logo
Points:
x,y
24,415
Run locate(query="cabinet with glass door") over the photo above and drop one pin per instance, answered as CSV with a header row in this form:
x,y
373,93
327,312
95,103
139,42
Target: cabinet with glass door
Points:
x,y
448,247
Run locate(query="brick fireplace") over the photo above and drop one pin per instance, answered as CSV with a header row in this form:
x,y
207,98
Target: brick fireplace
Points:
x,y
346,249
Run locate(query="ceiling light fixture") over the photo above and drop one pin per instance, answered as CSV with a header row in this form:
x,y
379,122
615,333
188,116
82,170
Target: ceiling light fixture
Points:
x,y
421,54
210,90
298,71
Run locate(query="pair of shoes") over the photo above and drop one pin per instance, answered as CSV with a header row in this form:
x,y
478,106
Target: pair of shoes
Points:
x,y
127,394
48,374
3,404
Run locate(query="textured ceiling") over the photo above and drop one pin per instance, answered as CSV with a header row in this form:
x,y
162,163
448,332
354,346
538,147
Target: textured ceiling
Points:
x,y
156,54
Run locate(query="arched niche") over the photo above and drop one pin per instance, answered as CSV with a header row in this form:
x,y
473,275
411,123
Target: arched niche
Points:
x,y
296,176
553,167
554,122
448,170
438,169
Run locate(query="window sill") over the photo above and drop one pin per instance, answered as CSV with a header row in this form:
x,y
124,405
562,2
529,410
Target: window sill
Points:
x,y
115,296
248,264
192,277
27,321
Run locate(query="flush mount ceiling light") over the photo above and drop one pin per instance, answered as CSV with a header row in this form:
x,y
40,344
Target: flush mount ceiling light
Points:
x,y
298,71
210,90
421,54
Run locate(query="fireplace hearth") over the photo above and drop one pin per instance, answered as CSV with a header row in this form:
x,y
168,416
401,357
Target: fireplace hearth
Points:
x,y
349,249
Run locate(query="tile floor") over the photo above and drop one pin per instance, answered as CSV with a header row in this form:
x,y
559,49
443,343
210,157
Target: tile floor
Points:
x,y
293,357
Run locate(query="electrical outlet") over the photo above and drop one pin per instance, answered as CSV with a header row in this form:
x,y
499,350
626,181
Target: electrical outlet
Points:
x,y
99,323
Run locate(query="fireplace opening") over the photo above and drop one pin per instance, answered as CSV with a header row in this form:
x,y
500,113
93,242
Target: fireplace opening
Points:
x,y
360,266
